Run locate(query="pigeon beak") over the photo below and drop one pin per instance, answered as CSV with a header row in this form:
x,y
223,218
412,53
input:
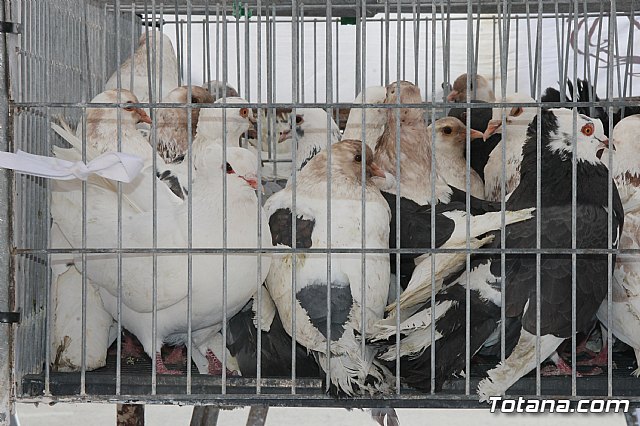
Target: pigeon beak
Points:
x,y
452,96
251,180
475,134
604,144
284,136
492,127
376,170
144,117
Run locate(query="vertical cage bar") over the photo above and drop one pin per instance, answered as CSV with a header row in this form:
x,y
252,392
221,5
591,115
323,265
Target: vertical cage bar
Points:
x,y
189,343
294,182
538,93
225,196
6,207
259,129
329,101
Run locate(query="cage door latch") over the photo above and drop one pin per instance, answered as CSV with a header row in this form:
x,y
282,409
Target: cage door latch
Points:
x,y
10,27
9,317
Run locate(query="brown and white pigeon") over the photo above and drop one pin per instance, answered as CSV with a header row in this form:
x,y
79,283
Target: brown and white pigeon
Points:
x,y
172,139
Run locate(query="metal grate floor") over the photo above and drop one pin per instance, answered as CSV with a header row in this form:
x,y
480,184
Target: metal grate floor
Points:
x,y
136,380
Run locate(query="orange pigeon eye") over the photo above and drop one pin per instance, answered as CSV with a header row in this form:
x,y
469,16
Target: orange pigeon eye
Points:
x,y
588,129
244,112
129,108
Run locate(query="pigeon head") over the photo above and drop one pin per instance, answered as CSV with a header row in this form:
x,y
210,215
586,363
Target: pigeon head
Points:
x,y
308,123
209,161
346,166
374,118
479,88
243,163
153,34
310,127
199,95
451,134
349,157
180,95
557,135
238,120
626,152
409,94
516,115
129,115
216,88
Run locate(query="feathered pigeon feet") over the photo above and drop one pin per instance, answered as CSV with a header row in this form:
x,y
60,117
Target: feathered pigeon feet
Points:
x,y
600,359
215,365
561,368
487,388
176,356
131,348
162,369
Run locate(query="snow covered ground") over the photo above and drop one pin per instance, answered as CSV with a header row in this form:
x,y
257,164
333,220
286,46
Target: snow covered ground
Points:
x,y
104,414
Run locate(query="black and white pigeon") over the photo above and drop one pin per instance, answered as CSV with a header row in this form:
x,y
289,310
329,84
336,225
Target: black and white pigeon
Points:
x,y
555,215
351,370
449,307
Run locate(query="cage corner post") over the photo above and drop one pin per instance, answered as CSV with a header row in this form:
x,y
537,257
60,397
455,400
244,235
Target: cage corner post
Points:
x,y
6,298
7,389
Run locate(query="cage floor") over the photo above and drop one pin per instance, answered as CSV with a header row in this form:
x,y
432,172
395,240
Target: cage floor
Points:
x,y
136,380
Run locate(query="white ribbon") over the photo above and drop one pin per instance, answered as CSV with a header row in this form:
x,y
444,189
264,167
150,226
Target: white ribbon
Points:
x,y
111,165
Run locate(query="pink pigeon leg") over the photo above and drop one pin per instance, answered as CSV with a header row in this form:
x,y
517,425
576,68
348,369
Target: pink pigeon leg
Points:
x,y
162,369
176,356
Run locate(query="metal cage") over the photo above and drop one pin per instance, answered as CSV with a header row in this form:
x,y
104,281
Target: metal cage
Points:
x,y
56,56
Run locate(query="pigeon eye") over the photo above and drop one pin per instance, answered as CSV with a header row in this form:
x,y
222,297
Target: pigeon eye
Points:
x,y
230,169
244,112
299,119
588,129
447,130
358,158
129,108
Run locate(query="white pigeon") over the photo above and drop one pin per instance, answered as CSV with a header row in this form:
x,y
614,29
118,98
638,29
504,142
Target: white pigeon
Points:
x,y
312,128
210,130
165,70
480,89
513,138
208,222
625,318
449,145
66,319
172,137
101,136
374,118
351,371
